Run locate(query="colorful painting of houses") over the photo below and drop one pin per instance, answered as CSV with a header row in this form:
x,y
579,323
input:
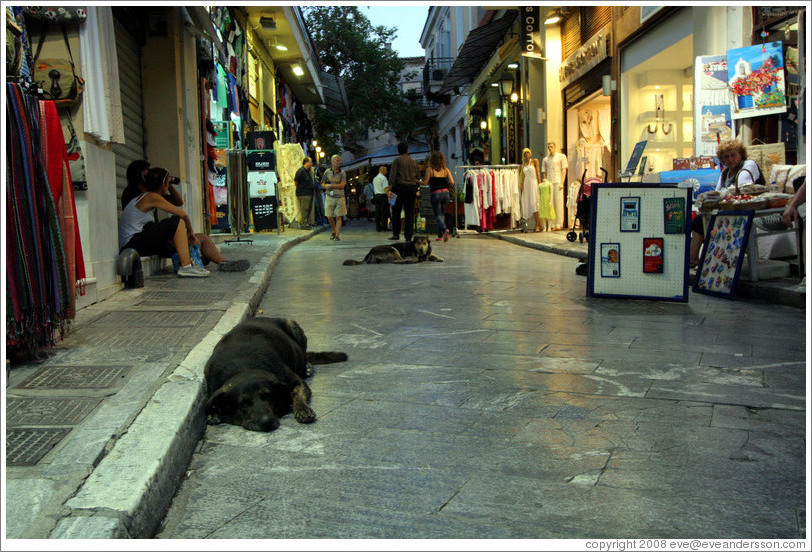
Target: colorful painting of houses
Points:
x,y
756,80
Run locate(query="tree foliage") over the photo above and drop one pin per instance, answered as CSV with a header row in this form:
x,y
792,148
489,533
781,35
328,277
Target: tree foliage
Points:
x,y
352,48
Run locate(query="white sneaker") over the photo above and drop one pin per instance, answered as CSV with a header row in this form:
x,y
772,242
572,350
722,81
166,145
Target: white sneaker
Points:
x,y
192,271
801,288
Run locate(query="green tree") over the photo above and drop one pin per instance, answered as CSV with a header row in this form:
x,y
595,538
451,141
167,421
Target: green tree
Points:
x,y
351,47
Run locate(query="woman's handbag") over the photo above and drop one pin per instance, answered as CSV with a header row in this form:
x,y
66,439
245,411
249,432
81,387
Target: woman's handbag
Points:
x,y
57,78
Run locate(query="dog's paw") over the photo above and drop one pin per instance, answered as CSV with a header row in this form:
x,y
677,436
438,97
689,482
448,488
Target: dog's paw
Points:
x,y
304,415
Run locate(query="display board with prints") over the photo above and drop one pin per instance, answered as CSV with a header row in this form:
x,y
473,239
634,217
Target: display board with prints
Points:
x,y
639,241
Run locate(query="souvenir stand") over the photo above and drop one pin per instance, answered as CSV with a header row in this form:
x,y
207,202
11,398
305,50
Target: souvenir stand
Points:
x,y
483,197
639,241
262,182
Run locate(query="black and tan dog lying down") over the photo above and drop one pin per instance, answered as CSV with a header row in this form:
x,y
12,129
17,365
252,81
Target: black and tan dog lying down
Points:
x,y
417,250
256,374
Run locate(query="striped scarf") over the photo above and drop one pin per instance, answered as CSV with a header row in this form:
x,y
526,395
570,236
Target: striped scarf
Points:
x,y
37,285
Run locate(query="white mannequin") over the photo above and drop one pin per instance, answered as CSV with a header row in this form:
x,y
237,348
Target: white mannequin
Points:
x,y
554,169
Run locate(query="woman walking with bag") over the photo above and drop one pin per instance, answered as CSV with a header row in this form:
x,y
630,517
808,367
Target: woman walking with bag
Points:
x,y
441,183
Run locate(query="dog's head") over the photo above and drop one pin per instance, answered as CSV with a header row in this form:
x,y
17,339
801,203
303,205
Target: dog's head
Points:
x,y
422,245
246,400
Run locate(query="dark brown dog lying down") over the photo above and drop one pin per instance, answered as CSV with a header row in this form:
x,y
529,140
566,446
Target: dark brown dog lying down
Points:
x,y
256,374
417,250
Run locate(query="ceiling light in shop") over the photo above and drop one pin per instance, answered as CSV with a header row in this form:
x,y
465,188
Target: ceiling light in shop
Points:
x,y
513,65
297,70
279,46
553,17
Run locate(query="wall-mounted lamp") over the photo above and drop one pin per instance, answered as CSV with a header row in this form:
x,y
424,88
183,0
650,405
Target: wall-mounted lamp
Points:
x,y
506,87
609,85
483,124
497,112
297,70
514,97
513,65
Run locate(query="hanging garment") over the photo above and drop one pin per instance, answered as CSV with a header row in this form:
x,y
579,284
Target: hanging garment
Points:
x,y
57,167
530,192
546,209
37,284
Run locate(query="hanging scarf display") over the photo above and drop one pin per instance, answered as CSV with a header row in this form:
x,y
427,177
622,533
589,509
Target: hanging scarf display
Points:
x,y
38,287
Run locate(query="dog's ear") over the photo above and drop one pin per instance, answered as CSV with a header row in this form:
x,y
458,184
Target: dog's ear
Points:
x,y
294,330
216,405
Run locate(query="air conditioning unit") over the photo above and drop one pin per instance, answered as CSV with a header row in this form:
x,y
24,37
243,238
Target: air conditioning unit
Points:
x,y
438,74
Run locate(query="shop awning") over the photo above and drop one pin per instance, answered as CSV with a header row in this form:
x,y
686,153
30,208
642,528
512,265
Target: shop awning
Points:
x,y
475,51
386,155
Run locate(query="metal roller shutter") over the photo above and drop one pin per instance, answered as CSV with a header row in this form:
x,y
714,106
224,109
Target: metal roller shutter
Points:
x,y
129,69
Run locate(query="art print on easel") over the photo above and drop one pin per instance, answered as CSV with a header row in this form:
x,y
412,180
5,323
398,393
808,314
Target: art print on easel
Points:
x,y
629,214
610,260
653,255
723,253
674,215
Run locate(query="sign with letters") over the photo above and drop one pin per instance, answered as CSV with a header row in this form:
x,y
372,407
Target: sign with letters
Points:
x,y
531,34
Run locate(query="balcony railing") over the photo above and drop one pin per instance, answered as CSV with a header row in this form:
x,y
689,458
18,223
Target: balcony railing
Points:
x,y
435,71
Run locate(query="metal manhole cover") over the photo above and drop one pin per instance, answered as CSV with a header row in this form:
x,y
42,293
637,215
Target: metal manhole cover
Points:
x,y
76,377
128,319
171,296
27,446
36,411
146,339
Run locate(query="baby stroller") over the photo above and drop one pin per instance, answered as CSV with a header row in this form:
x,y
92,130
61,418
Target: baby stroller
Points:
x,y
582,207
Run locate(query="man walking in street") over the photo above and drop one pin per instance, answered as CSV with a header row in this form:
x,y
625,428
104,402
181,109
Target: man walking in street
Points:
x,y
403,180
554,169
380,187
305,193
333,182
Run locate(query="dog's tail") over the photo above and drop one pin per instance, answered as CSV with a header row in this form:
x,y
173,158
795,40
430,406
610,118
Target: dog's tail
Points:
x,y
326,357
350,262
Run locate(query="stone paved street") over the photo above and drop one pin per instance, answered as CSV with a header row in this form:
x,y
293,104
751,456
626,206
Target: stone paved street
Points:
x,y
488,397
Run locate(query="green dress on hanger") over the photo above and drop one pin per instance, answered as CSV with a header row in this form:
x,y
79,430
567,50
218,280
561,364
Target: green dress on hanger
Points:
x,y
546,209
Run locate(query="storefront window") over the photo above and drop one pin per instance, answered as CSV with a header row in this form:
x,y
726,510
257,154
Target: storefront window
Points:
x,y
658,101
656,98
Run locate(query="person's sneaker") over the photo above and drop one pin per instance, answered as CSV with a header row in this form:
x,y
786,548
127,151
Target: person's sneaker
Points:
x,y
445,234
234,266
801,288
192,271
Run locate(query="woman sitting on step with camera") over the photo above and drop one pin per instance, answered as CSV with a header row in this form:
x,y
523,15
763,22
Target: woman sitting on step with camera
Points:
x,y
138,230
137,172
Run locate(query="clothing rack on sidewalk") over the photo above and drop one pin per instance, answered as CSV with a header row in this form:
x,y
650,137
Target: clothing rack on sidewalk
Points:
x,y
459,177
239,211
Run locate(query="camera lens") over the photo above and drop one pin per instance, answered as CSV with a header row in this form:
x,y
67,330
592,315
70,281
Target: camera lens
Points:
x,y
174,180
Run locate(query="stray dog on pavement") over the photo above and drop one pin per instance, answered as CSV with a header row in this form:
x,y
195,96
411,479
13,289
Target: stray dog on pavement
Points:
x,y
416,251
256,374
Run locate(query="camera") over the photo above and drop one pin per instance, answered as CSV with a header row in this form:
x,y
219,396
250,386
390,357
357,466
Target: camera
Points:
x,y
173,180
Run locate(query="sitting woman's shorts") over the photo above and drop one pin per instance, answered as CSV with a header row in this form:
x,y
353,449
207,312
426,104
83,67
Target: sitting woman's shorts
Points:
x,y
156,238
698,225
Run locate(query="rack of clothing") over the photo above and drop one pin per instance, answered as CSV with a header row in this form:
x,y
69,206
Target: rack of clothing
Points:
x,y
489,190
44,261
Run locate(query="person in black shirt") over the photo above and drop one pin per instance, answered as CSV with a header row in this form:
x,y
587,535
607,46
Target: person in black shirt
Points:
x,y
305,193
